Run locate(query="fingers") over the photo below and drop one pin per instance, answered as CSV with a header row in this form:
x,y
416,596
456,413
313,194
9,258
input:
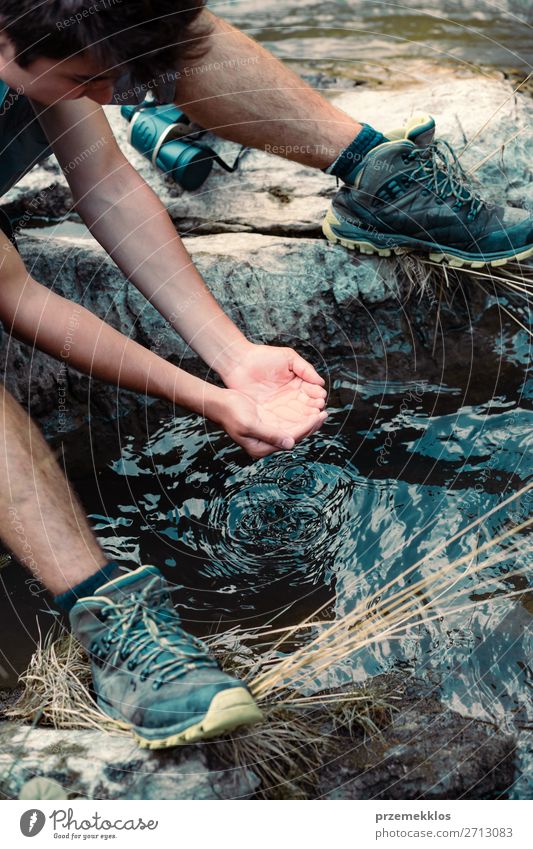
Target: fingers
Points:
x,y
257,449
295,407
317,403
305,370
313,391
265,441
305,426
279,423
307,394
277,436
298,397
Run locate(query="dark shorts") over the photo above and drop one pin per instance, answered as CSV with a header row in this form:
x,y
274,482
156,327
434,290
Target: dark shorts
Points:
x,y
6,226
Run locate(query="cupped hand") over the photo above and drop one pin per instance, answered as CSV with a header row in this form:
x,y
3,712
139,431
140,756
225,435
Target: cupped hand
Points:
x,y
287,397
263,428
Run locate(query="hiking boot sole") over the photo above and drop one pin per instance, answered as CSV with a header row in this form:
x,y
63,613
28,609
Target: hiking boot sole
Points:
x,y
229,709
448,256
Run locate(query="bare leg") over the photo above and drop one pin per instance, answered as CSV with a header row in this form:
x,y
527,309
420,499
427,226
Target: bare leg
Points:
x,y
42,521
243,93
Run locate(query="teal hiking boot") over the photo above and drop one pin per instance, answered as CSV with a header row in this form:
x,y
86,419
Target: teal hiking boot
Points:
x,y
148,673
411,194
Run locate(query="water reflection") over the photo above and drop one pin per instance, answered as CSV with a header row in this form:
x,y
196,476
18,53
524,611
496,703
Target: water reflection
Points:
x,y
394,472
470,32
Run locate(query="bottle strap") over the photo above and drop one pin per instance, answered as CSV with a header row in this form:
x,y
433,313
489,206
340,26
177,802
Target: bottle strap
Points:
x,y
218,159
179,130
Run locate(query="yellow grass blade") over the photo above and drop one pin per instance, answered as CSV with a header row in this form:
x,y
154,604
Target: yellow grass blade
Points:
x,y
363,611
493,115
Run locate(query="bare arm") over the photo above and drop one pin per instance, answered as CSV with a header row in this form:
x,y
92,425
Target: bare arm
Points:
x,y
131,223
71,333
133,226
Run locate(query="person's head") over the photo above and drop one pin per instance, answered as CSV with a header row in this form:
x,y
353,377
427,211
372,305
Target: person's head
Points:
x,y
63,49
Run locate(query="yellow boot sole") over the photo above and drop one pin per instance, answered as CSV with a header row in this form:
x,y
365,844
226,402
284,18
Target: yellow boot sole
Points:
x,y
436,256
228,710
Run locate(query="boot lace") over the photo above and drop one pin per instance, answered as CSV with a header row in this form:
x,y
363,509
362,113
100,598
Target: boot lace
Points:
x,y
143,630
441,172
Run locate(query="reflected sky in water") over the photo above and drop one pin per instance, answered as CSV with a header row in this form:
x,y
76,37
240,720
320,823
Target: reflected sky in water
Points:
x,y
398,468
469,32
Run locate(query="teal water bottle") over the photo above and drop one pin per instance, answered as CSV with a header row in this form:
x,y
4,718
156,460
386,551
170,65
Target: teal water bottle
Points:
x,y
160,134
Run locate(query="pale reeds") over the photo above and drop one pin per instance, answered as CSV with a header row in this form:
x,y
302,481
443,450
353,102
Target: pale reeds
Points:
x,y
285,752
301,724
393,609
56,686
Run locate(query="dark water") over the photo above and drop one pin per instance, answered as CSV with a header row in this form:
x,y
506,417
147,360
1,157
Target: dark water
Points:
x,y
467,32
398,467
414,449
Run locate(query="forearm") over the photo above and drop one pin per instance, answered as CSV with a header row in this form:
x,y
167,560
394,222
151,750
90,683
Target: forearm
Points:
x,y
72,334
150,253
245,94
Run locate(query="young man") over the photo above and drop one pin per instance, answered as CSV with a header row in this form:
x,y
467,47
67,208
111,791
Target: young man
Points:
x,y
63,57
148,672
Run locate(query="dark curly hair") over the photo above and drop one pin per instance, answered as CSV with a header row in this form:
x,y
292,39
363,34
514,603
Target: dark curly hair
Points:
x,y
146,36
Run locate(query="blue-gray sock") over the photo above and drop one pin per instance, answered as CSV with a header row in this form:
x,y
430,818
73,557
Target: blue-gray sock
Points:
x,y
68,599
348,161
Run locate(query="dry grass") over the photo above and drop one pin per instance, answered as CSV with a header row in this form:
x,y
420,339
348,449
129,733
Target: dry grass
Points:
x,y
285,752
56,686
302,727
392,612
425,278
298,736
514,280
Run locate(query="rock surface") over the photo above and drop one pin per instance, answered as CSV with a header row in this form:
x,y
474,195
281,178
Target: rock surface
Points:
x,y
274,285
274,196
97,765
279,285
426,751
